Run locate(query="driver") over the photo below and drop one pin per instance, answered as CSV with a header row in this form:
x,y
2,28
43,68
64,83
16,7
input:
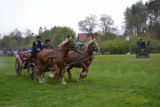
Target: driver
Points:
x,y
36,47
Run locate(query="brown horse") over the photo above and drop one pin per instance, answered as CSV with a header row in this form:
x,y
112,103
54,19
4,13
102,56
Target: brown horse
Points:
x,y
82,59
55,59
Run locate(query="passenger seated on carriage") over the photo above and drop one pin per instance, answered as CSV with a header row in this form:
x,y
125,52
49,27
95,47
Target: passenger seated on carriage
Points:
x,y
148,46
148,43
36,47
140,43
143,44
47,44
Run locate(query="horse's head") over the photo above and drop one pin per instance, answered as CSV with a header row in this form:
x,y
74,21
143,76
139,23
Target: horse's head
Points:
x,y
68,43
92,45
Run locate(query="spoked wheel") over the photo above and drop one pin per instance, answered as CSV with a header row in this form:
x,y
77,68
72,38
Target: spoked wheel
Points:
x,y
32,71
18,68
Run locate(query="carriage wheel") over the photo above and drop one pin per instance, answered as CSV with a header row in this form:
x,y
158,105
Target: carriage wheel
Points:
x,y
32,71
18,68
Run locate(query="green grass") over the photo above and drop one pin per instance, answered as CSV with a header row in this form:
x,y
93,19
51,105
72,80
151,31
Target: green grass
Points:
x,y
113,81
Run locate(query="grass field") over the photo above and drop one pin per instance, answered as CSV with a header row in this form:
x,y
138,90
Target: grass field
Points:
x,y
113,81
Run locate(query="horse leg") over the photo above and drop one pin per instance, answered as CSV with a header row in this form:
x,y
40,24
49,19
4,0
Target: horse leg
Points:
x,y
69,72
83,73
61,75
55,72
39,73
60,71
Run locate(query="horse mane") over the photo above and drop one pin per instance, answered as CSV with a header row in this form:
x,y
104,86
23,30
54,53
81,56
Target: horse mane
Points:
x,y
88,43
63,43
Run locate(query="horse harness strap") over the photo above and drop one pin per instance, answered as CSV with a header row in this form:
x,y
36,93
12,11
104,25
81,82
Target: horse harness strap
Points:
x,y
80,53
80,60
52,57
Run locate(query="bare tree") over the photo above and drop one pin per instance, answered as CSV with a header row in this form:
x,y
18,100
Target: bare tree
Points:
x,y
28,32
40,30
89,24
106,23
16,33
45,28
16,38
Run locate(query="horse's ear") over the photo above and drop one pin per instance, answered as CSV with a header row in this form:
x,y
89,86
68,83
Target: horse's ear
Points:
x,y
68,36
73,36
93,40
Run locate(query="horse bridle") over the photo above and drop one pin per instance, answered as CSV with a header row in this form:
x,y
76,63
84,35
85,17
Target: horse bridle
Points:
x,y
86,57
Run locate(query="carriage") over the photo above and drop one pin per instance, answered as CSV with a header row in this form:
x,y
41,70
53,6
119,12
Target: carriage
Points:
x,y
142,52
23,57
30,66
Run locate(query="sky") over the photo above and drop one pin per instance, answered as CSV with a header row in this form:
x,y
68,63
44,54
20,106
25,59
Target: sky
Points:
x,y
32,14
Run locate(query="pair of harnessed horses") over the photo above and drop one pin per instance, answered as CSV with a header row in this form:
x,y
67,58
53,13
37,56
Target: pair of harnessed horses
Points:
x,y
66,55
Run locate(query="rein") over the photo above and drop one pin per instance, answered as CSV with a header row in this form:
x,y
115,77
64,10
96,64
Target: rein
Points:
x,y
80,60
55,56
80,53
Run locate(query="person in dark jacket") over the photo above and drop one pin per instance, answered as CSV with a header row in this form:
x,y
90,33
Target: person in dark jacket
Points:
x,y
36,47
140,43
47,44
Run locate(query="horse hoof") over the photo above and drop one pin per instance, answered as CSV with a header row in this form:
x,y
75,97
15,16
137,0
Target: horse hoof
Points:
x,y
79,81
83,74
42,81
51,76
64,83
